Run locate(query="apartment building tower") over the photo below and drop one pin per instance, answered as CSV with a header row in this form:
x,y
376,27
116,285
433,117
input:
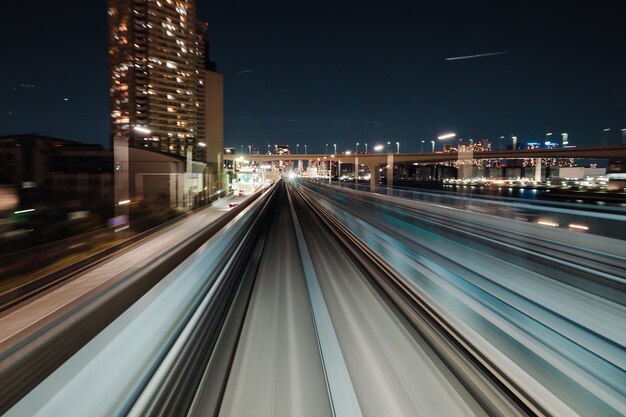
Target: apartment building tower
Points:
x,y
158,59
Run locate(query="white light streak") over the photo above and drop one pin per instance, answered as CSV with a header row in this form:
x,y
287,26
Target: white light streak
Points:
x,y
142,130
458,58
547,223
578,227
446,136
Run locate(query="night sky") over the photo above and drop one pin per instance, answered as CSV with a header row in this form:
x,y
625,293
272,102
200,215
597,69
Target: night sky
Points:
x,y
344,72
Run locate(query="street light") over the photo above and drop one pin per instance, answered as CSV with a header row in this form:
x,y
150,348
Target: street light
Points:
x,y
356,148
388,143
365,147
423,146
305,151
432,142
297,148
397,147
326,149
335,148
249,149
268,150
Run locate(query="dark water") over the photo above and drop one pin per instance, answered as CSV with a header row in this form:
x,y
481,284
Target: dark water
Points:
x,y
468,190
507,192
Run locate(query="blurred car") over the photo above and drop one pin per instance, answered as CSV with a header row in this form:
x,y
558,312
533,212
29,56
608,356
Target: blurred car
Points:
x,y
231,205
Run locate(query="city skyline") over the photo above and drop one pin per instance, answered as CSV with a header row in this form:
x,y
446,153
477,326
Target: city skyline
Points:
x,y
343,74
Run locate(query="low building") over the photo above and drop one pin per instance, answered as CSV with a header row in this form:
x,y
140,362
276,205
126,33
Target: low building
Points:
x,y
45,170
575,173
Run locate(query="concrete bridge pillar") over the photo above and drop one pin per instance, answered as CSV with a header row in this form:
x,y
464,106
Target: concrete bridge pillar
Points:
x,y
389,171
339,173
374,176
538,169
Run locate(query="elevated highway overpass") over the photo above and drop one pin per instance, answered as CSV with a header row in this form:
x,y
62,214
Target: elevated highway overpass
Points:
x,y
376,160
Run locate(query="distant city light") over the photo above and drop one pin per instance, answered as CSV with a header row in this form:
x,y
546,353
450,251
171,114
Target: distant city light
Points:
x,y
378,148
23,211
348,152
123,202
446,136
606,130
549,134
202,144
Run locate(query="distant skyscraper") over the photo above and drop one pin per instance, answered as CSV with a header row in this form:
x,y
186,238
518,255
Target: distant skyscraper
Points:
x,y
158,58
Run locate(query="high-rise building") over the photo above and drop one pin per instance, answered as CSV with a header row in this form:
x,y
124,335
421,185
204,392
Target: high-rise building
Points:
x,y
158,58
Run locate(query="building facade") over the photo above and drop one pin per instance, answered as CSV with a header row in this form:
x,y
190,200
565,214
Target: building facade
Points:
x,y
158,60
